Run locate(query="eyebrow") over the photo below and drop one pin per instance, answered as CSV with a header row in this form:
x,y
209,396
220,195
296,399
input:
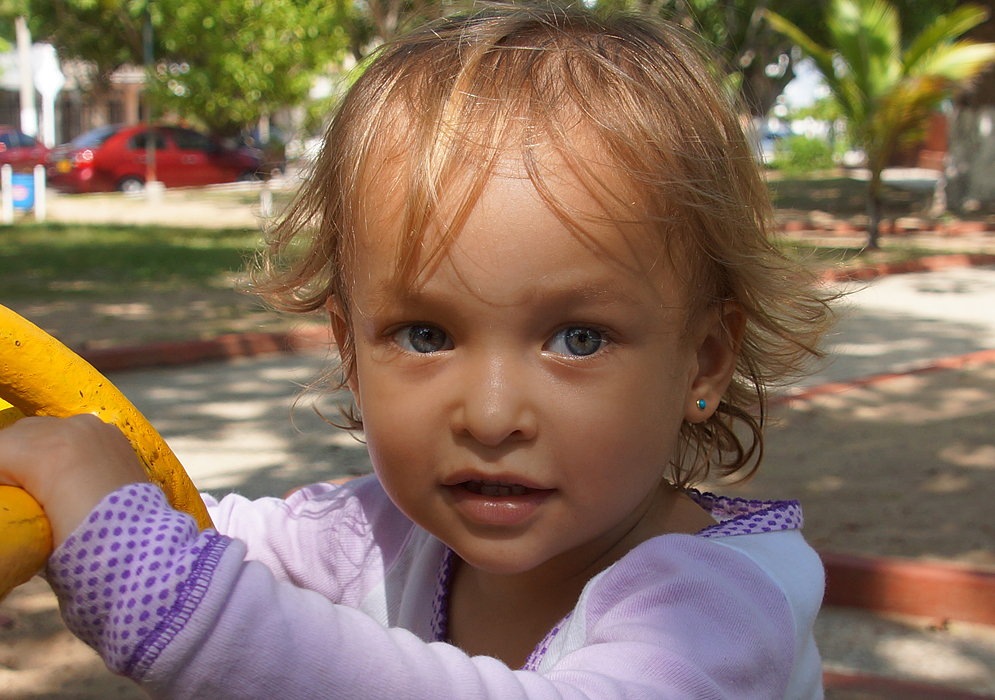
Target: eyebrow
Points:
x,y
544,295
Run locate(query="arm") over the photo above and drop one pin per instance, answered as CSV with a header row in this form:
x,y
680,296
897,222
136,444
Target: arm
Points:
x,y
206,623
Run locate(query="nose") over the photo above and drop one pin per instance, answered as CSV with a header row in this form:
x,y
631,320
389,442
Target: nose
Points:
x,y
495,405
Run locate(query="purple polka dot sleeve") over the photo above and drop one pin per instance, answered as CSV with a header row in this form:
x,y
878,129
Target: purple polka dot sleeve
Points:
x,y
131,575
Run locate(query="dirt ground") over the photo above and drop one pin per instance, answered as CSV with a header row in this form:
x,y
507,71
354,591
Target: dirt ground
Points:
x,y
902,467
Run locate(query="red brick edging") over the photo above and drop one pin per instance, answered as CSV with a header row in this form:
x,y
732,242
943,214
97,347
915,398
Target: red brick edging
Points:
x,y
925,264
971,359
222,347
932,589
880,688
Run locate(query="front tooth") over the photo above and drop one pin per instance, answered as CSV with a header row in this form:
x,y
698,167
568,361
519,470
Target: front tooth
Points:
x,y
495,490
499,490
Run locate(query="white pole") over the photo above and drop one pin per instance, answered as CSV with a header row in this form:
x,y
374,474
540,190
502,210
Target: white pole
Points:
x,y
48,120
29,114
49,80
266,201
40,211
7,194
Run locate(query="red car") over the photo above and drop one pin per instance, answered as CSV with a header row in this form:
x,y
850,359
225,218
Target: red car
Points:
x,y
112,158
19,150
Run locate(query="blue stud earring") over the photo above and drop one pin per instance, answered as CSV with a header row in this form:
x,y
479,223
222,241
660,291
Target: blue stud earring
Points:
x,y
702,404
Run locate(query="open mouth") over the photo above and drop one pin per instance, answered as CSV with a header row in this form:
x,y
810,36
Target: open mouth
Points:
x,y
503,502
496,489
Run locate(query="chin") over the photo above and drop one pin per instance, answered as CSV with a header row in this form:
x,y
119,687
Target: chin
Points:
x,y
500,560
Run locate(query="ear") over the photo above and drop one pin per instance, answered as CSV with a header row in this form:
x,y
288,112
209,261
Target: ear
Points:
x,y
343,337
718,341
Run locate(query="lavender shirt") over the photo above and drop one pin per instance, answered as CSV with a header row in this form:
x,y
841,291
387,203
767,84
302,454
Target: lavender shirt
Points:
x,y
333,593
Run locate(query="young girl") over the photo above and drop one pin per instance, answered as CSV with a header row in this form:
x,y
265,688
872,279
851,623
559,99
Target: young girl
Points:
x,y
540,236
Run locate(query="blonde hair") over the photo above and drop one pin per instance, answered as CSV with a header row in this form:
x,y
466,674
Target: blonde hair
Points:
x,y
435,110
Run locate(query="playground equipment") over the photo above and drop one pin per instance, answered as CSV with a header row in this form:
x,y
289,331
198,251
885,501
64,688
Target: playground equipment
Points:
x,y
39,376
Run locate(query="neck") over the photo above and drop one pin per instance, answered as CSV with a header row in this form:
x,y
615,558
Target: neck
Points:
x,y
481,602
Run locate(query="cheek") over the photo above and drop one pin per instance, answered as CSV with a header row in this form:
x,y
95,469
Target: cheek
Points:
x,y
632,424
397,426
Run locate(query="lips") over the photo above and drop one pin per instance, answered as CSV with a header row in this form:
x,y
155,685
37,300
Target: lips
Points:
x,y
497,503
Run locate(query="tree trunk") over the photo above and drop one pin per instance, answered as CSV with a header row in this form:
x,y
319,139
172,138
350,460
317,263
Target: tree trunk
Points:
x,y
874,211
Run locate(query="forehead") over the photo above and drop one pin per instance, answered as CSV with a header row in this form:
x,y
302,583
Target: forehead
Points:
x,y
409,225
514,242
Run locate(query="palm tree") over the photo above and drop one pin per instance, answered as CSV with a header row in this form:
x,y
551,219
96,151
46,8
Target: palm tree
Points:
x,y
887,93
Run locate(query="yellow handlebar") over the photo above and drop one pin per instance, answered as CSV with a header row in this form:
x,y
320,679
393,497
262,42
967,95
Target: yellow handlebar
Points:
x,y
39,376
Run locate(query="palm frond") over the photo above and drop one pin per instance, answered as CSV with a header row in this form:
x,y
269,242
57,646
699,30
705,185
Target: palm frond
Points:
x,y
958,62
944,29
867,35
842,84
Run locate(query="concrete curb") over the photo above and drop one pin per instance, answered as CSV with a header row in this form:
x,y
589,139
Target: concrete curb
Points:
x,y
229,346
883,584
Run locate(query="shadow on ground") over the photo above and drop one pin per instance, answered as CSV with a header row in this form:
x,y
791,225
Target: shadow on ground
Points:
x,y
902,467
244,426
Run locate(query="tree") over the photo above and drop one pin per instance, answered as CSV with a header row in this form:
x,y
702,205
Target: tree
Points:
x,y
106,35
229,62
887,93
221,63
760,60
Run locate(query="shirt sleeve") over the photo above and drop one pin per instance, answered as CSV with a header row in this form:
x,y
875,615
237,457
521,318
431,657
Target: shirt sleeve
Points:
x,y
337,540
186,614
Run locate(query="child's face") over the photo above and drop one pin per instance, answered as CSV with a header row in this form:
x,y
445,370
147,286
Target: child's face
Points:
x,y
522,399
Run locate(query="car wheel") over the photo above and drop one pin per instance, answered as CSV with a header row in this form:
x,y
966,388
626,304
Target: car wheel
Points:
x,y
131,185
247,176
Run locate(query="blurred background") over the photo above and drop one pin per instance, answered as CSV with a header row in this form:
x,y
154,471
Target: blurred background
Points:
x,y
152,143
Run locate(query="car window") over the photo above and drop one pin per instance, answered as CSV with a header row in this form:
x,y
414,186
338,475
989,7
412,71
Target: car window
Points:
x,y
192,141
23,140
5,141
96,137
139,142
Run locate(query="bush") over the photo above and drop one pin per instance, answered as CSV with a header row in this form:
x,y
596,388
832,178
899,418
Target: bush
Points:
x,y
799,154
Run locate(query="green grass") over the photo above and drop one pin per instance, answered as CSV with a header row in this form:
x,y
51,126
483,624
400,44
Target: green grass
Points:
x,y
842,196
45,260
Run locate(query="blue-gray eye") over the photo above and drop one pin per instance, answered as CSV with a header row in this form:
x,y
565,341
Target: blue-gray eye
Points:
x,y
422,339
577,341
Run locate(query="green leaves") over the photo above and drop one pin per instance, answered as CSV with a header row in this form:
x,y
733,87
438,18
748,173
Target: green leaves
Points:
x,y
244,59
219,63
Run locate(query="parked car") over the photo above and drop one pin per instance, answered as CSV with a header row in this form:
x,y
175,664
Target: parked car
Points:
x,y
114,157
19,150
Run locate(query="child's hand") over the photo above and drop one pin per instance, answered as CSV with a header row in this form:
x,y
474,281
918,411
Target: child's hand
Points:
x,y
68,465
